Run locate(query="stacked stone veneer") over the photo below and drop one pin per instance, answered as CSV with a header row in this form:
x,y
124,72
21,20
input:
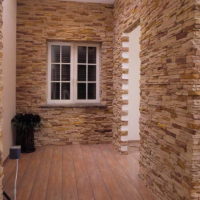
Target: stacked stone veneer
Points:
x,y
53,20
1,89
124,95
169,123
126,16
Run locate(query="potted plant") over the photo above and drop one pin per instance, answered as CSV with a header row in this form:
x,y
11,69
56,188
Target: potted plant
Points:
x,y
25,126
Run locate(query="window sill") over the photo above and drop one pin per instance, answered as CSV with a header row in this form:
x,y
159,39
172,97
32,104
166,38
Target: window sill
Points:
x,y
77,105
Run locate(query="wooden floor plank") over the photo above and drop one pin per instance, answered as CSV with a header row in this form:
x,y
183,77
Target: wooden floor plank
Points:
x,y
130,165
8,180
124,182
10,170
77,172
69,187
99,187
27,175
39,189
84,187
54,188
109,179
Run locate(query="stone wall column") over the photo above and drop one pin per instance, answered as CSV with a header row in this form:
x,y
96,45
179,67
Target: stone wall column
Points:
x,y
169,120
1,90
124,95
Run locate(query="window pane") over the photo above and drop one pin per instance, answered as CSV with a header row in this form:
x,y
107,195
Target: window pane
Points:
x,y
81,72
55,72
91,54
91,90
82,54
91,72
65,91
55,53
55,90
66,54
81,91
65,72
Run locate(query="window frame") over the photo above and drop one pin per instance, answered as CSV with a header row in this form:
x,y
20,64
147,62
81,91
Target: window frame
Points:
x,y
74,74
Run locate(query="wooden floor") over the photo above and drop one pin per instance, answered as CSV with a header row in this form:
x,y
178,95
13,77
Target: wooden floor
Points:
x,y
77,172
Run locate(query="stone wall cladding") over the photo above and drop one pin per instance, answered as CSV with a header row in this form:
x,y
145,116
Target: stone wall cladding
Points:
x,y
1,107
51,20
124,94
169,123
126,16
193,78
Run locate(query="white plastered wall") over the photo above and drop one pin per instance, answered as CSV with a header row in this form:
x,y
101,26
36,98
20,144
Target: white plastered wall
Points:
x,y
9,72
132,86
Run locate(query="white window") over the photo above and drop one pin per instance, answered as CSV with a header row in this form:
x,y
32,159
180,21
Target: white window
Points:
x,y
73,73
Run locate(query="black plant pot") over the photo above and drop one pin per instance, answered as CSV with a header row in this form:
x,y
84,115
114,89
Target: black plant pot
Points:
x,y
26,140
18,137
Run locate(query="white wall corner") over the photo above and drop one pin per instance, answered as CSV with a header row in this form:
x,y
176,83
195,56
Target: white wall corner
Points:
x,y
125,66
124,138
124,148
9,72
124,128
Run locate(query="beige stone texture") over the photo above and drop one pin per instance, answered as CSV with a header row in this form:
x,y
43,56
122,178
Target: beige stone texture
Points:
x,y
1,92
169,122
50,20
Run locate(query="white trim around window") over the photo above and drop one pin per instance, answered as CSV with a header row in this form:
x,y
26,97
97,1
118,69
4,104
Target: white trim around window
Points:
x,y
65,64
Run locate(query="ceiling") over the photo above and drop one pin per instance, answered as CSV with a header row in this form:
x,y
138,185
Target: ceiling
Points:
x,y
95,1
